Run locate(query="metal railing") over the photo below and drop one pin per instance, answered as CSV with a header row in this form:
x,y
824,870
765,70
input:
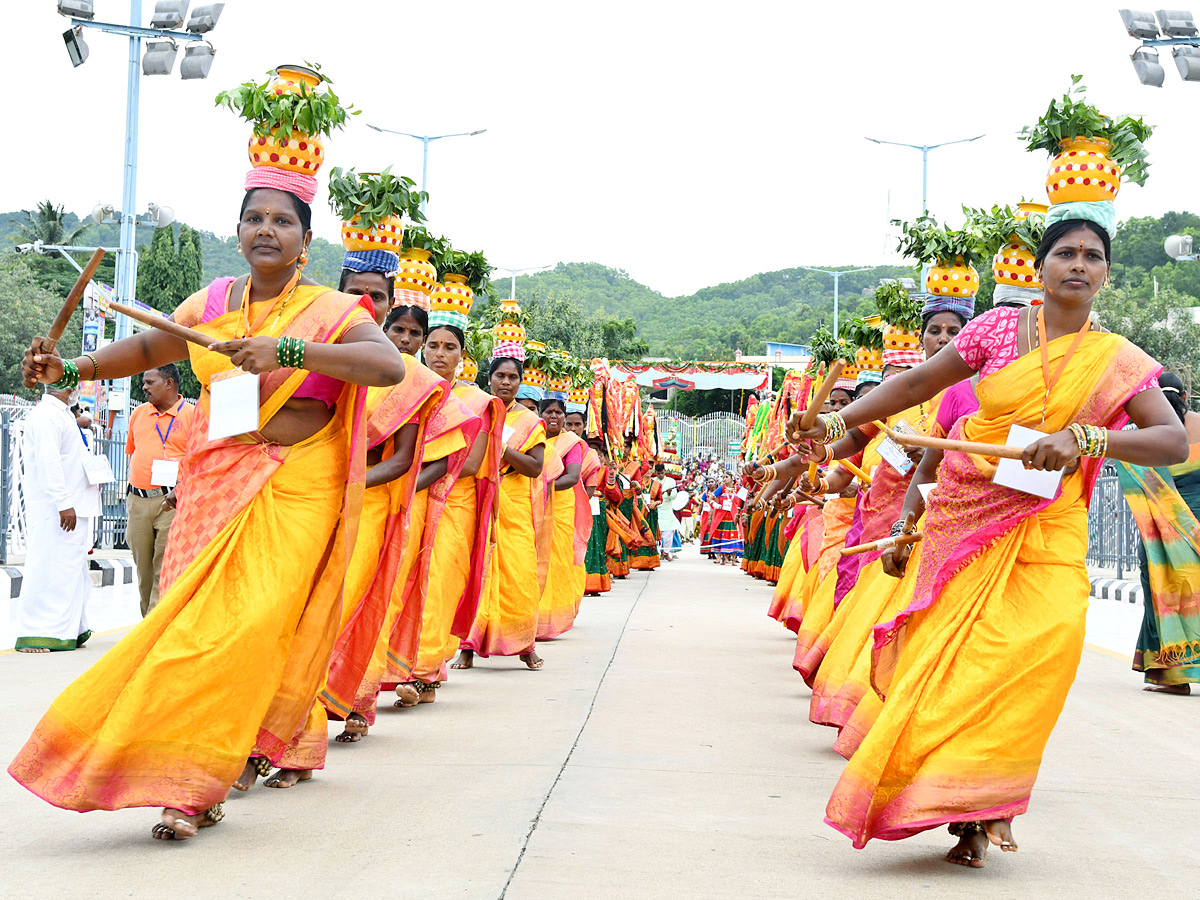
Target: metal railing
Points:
x,y
110,529
1113,538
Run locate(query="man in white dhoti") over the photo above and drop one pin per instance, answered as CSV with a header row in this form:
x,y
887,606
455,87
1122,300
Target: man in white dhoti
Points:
x,y
60,508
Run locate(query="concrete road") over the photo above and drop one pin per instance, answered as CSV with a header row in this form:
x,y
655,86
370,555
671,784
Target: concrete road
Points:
x,y
663,752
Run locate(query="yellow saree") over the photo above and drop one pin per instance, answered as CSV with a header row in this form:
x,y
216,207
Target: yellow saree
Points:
x,y
976,669
233,654
506,623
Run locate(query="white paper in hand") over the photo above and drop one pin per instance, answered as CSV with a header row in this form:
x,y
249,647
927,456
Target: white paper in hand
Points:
x,y
926,489
507,433
233,405
164,472
743,494
595,506
893,454
98,469
1012,472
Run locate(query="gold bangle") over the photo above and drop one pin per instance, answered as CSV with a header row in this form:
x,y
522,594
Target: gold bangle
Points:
x,y
95,368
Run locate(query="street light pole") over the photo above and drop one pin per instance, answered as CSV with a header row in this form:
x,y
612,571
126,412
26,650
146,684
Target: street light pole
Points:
x,y
512,295
426,140
925,148
837,278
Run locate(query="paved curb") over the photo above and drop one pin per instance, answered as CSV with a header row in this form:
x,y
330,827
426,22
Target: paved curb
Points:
x,y
105,571
111,569
1117,589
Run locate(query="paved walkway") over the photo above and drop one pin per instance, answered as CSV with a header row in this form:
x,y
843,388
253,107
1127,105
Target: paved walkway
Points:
x,y
663,752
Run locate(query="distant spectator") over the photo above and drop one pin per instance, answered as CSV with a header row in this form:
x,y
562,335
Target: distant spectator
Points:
x,y
158,436
60,506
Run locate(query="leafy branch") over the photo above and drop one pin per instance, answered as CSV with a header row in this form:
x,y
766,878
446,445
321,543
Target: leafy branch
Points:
x,y
1070,116
824,348
374,197
994,228
418,238
472,266
861,333
927,242
897,306
271,108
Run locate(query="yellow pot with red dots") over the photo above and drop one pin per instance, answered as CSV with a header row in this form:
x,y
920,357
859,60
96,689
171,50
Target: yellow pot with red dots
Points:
x,y
955,280
868,359
1083,170
577,395
383,235
416,272
509,331
1013,265
470,369
452,295
294,152
534,377
290,78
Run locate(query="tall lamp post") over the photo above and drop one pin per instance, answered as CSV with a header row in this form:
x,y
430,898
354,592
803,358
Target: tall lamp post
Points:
x,y
159,60
426,140
925,148
512,295
837,277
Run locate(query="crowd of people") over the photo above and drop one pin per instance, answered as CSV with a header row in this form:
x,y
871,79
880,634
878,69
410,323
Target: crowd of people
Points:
x,y
389,521
938,603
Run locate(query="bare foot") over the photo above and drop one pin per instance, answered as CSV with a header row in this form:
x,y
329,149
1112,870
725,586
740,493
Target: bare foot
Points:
x,y
355,730
532,660
427,690
32,650
465,660
286,778
999,832
406,695
255,766
1181,689
971,850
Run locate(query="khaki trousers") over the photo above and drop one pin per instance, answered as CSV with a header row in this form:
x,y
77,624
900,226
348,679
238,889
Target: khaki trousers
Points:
x,y
146,534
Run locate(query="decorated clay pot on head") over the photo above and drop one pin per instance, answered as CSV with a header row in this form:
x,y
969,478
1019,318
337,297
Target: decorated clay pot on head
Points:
x,y
383,235
577,395
1083,170
297,152
534,377
470,369
957,280
416,272
868,359
561,385
289,78
453,293
509,332
1013,263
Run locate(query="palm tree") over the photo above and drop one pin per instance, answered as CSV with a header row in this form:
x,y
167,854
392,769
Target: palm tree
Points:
x,y
46,224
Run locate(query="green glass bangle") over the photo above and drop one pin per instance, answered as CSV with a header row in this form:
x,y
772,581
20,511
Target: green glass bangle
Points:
x,y
70,379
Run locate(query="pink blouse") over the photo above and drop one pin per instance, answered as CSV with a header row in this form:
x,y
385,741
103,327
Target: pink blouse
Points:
x,y
988,342
314,386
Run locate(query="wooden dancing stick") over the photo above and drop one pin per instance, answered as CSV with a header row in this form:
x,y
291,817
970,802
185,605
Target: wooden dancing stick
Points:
x,y
854,470
883,544
809,416
163,324
815,501
1002,451
72,301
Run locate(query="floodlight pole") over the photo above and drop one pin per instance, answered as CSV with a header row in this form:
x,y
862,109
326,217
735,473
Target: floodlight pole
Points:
x,y
127,253
837,277
426,140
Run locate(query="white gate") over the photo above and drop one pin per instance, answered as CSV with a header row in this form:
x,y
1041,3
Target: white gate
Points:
x,y
717,434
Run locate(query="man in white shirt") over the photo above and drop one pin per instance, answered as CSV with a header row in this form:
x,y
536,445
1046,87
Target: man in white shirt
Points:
x,y
60,508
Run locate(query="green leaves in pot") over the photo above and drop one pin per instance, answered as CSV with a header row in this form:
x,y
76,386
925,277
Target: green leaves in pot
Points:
x,y
374,196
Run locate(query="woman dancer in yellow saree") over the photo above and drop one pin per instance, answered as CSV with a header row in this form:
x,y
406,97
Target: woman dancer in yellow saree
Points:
x,y
460,549
566,577
977,668
251,586
506,623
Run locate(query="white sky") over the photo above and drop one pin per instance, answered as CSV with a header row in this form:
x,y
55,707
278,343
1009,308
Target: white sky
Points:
x,y
688,143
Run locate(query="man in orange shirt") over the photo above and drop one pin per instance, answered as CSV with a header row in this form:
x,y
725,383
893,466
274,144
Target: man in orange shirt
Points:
x,y
158,436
